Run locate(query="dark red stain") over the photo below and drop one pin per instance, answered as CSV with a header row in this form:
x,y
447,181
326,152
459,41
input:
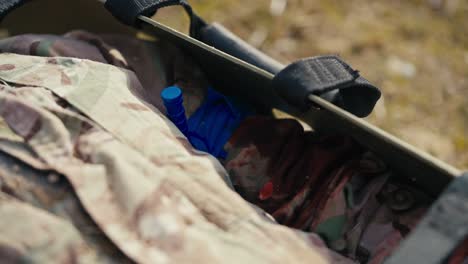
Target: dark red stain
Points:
x,y
135,106
266,192
7,67
459,254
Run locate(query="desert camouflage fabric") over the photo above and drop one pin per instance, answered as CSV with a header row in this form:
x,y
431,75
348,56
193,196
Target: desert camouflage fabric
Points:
x,y
88,157
156,64
92,173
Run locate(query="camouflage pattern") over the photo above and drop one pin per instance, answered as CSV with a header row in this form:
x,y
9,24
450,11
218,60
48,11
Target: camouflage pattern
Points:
x,y
155,64
152,197
86,150
328,185
42,220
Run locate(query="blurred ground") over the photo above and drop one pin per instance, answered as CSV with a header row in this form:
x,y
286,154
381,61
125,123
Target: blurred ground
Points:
x,y
416,51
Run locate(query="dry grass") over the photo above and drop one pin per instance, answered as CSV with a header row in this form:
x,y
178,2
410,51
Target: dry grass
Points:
x,y
426,104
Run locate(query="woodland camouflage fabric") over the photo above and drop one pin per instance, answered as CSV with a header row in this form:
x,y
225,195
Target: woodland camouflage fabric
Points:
x,y
323,184
94,174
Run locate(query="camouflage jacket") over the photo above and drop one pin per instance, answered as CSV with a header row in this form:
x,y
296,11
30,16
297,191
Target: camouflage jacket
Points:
x,y
92,173
87,152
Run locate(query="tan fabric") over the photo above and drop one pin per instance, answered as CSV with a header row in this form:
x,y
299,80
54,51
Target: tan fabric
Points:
x,y
157,199
24,228
156,64
54,229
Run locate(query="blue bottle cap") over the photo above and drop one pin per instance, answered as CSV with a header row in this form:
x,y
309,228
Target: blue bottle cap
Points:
x,y
172,98
171,95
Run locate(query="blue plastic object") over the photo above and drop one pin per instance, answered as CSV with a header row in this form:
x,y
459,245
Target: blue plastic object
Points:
x,y
213,123
172,98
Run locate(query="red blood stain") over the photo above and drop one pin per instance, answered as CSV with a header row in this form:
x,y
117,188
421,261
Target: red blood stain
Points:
x,y
7,67
459,254
266,192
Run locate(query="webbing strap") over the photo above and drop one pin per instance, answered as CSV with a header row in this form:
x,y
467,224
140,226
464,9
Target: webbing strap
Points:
x,y
8,5
328,77
440,232
128,11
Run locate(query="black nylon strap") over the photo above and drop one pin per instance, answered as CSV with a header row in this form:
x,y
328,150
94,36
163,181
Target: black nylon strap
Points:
x,y
329,77
127,11
6,6
440,232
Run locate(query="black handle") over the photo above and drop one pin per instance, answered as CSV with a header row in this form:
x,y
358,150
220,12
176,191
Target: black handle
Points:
x,y
222,39
128,11
326,76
